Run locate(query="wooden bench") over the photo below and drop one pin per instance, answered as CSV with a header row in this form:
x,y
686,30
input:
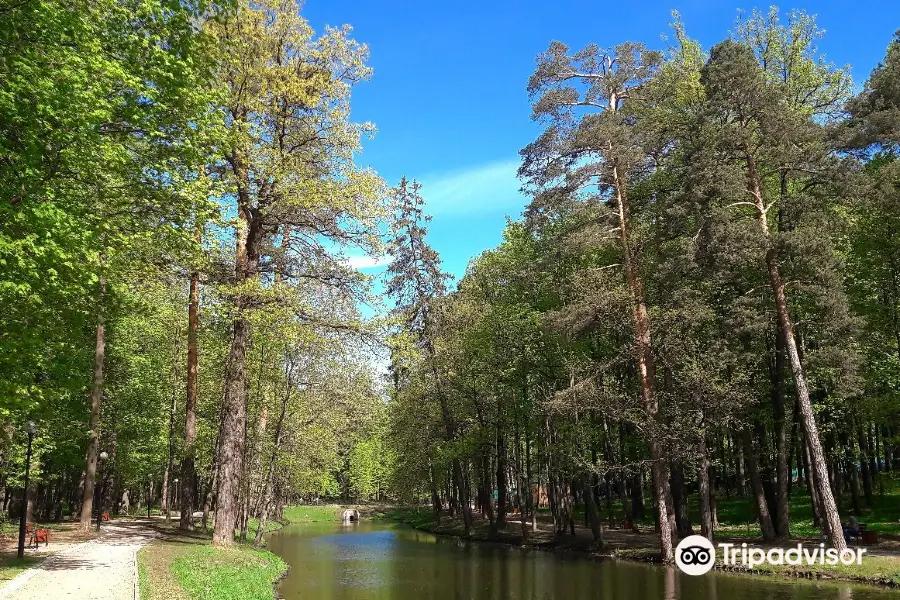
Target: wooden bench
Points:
x,y
860,529
36,536
868,536
864,535
627,525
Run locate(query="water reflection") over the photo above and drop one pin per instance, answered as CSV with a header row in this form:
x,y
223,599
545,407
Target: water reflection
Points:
x,y
383,561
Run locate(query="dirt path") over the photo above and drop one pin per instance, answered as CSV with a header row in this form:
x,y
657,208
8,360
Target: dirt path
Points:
x,y
103,569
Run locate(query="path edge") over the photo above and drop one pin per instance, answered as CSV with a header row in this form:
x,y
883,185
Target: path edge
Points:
x,y
25,576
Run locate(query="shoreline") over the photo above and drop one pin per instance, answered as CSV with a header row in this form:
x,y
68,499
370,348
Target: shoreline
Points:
x,y
650,555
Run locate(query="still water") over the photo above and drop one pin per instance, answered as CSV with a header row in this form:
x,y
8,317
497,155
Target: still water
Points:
x,y
386,561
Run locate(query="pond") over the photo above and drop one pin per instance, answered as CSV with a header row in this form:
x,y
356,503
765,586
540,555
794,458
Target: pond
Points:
x,y
388,561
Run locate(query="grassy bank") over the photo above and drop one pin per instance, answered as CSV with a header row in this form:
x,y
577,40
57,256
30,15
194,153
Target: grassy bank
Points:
x,y
185,566
737,516
297,514
879,569
876,570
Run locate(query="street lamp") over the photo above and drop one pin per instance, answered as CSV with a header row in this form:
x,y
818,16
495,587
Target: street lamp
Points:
x,y
99,492
32,429
176,492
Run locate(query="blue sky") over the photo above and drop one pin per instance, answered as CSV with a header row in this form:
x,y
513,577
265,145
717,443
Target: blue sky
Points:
x,y
448,92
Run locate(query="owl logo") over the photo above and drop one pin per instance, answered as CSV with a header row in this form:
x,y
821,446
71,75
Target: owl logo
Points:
x,y
695,555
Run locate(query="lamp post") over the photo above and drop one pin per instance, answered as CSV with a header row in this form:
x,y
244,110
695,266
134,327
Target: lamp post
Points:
x,y
149,496
98,500
176,492
32,429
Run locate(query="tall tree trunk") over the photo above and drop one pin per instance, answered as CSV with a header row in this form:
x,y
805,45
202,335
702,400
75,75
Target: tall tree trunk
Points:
x,y
501,477
638,509
817,456
164,493
213,483
520,488
529,500
814,499
854,482
167,479
619,476
865,464
232,429
462,496
645,360
30,496
487,497
706,524
679,499
457,476
713,495
877,456
792,455
435,496
93,449
782,475
591,510
740,467
759,495
188,472
670,505
269,481
170,461
889,449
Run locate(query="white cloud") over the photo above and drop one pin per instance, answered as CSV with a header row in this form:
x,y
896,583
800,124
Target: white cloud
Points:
x,y
478,189
367,262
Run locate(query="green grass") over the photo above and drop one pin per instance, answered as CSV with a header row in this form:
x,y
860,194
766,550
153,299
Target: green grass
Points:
x,y
253,527
182,566
155,577
415,517
240,573
296,514
10,566
737,516
884,570
10,527
185,566
736,513
312,514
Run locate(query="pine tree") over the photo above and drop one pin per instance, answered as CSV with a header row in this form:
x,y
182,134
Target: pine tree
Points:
x,y
596,155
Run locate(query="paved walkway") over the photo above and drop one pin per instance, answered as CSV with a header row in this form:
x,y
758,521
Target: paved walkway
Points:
x,y
103,569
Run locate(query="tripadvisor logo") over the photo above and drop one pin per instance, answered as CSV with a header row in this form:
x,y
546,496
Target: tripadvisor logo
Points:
x,y
695,555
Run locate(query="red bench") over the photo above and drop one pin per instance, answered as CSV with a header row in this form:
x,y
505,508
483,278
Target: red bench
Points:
x,y
36,536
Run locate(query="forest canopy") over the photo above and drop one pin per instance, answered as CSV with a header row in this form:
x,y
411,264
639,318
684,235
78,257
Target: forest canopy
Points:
x,y
700,298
